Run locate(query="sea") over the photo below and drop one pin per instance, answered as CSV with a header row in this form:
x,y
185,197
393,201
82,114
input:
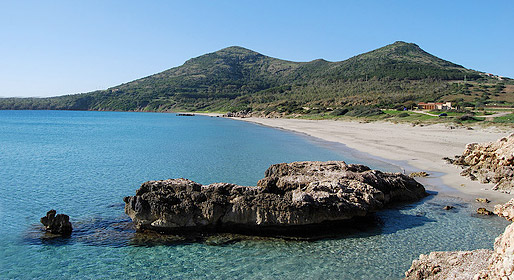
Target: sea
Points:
x,y
83,163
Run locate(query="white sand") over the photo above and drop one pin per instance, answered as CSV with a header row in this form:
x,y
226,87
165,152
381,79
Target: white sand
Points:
x,y
422,147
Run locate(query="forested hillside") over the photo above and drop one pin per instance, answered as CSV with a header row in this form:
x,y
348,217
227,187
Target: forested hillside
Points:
x,y
236,78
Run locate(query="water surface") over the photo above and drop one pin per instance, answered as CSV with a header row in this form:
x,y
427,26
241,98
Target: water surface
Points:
x,y
84,163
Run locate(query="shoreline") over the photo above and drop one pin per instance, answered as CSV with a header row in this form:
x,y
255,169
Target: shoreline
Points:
x,y
420,147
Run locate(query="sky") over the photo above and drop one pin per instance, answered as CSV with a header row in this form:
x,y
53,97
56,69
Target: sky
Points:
x,y
51,48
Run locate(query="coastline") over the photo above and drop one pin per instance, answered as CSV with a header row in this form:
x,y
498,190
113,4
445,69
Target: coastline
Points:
x,y
421,147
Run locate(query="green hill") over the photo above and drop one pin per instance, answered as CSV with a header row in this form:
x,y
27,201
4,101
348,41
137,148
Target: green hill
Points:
x,y
236,78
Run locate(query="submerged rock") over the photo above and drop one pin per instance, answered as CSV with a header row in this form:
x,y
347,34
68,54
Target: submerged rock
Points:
x,y
290,195
489,163
57,224
478,264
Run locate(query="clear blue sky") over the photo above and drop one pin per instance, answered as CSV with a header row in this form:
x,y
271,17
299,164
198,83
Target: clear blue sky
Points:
x,y
51,48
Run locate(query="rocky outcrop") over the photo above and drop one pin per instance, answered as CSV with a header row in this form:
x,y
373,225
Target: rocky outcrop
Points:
x,y
57,224
501,263
294,194
478,264
463,265
490,163
505,210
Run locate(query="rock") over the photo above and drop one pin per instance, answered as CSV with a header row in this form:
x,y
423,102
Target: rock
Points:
x,y
489,163
448,207
449,265
478,264
482,200
419,174
290,195
501,263
483,211
505,210
240,114
57,224
450,160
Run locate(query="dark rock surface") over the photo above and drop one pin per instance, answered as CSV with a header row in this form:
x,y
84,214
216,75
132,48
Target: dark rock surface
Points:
x,y
298,194
57,224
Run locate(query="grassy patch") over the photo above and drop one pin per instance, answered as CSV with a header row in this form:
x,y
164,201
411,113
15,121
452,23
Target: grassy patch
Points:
x,y
505,119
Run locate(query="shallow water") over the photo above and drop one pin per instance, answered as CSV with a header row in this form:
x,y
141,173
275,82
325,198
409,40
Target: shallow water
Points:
x,y
84,163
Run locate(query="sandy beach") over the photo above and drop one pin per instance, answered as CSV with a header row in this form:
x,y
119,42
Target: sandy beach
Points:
x,y
421,147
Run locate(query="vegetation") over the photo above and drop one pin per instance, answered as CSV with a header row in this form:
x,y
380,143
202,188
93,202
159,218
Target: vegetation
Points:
x,y
235,79
505,119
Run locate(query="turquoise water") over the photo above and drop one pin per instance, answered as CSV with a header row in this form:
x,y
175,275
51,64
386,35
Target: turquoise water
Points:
x,y
84,163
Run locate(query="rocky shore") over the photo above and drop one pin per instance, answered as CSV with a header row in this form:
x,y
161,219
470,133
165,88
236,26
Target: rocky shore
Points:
x,y
478,264
491,162
291,195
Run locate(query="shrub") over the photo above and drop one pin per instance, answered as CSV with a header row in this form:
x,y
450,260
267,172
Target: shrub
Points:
x,y
364,112
339,112
467,118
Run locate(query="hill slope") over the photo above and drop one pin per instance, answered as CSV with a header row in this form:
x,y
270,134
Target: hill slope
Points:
x,y
236,78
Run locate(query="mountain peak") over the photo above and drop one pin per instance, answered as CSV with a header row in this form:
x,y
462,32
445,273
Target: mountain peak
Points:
x,y
403,47
403,43
236,50
404,52
229,53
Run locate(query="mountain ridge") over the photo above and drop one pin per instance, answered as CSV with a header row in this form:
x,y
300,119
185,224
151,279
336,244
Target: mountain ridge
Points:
x,y
236,78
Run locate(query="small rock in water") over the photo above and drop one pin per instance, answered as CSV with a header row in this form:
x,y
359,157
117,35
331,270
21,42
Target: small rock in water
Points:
x,y
482,200
483,211
57,224
448,207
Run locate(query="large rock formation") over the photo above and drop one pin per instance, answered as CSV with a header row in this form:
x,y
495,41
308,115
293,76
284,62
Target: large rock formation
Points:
x,y
501,263
490,163
294,194
57,224
478,264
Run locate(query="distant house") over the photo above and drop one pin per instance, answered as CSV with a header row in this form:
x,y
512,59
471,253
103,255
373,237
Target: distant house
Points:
x,y
435,106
